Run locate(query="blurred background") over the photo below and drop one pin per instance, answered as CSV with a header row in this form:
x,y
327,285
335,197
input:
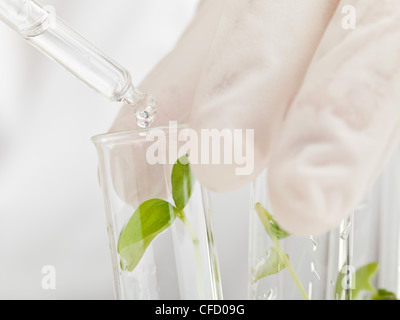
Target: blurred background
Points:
x,y
51,206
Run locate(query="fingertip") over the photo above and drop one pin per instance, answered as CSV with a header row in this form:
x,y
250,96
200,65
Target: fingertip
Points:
x,y
305,205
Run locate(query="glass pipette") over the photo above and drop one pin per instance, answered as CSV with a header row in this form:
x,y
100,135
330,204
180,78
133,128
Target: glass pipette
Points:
x,y
45,31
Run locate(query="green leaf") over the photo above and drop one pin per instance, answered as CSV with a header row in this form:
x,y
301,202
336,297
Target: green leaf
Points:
x,y
149,220
270,225
383,294
278,258
363,277
272,265
339,287
182,180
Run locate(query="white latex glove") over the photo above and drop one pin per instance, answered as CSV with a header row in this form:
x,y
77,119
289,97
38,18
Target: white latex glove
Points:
x,y
344,123
322,101
255,67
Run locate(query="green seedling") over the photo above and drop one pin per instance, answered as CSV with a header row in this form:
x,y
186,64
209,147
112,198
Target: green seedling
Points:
x,y
154,216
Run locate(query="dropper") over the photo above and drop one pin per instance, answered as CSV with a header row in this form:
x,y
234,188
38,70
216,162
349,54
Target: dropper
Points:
x,y
45,31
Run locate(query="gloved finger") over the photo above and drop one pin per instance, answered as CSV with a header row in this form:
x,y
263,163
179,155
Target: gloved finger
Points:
x,y
343,125
173,83
259,56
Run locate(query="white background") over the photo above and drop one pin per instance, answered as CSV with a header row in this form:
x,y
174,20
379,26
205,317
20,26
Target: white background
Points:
x,y
51,207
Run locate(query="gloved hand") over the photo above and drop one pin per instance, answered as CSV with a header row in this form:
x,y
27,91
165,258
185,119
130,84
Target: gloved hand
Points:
x,y
322,100
344,123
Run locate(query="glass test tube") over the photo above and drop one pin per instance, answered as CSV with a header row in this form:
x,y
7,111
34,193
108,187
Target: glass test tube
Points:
x,y
45,31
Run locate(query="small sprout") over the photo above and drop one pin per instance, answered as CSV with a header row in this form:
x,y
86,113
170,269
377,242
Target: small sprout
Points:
x,y
154,216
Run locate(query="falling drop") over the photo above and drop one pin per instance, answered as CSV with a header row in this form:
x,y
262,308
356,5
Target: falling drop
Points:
x,y
345,230
315,245
144,105
313,270
270,295
146,110
123,264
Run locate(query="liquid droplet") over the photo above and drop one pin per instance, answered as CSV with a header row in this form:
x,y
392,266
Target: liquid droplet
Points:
x,y
260,260
313,270
144,105
345,230
123,264
270,295
315,245
146,110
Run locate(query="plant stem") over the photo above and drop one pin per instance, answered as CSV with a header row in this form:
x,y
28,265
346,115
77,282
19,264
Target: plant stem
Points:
x,y
265,217
290,268
197,253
